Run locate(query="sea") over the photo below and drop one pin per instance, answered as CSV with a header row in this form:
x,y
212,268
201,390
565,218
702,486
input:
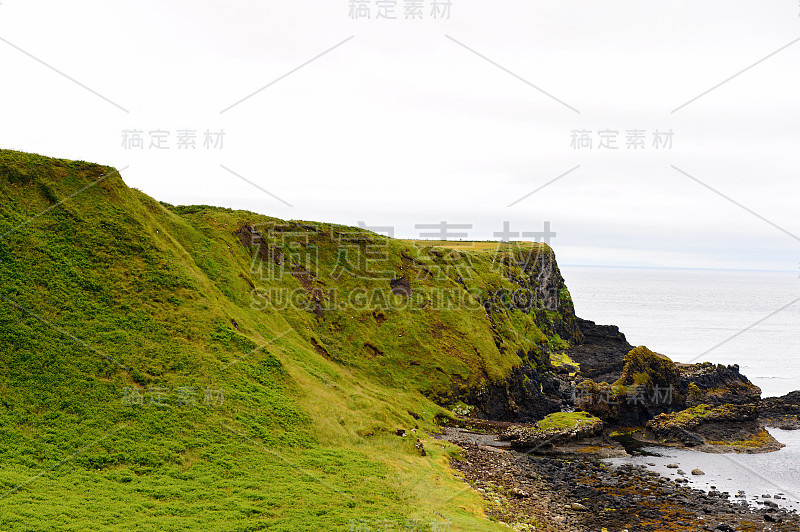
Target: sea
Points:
x,y
750,318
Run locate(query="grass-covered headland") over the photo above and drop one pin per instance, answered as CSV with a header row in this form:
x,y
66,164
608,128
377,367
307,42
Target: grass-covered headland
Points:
x,y
187,368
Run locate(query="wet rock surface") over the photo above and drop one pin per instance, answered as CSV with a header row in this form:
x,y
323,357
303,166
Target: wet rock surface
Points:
x,y
588,496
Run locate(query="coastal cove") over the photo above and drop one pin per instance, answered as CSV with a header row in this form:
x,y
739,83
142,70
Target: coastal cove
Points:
x,y
686,312
775,473
689,316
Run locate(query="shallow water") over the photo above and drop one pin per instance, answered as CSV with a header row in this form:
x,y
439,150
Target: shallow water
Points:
x,y
757,474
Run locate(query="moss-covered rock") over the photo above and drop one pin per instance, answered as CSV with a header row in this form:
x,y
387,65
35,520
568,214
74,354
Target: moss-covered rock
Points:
x,y
695,416
599,399
781,412
643,367
649,385
694,395
554,429
725,428
716,384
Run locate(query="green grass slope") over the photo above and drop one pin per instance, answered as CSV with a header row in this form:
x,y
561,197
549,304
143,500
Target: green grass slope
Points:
x,y
152,374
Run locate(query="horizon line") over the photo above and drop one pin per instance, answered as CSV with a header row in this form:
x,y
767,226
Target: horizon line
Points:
x,y
617,266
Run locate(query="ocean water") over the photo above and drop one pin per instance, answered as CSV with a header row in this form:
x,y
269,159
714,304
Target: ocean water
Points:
x,y
720,316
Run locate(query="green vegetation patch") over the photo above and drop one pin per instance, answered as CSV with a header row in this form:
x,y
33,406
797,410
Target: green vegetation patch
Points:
x,y
704,413
566,420
563,359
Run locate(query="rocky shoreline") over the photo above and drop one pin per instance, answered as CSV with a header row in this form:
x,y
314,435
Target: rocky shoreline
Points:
x,y
578,493
546,472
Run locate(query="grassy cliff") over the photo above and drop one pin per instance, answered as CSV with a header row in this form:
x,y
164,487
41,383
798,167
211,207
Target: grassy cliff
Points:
x,y
172,368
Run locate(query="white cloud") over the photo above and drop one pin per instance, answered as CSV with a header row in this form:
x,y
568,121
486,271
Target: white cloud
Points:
x,y
401,125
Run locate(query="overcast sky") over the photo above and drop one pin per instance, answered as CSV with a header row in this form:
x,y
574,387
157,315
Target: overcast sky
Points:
x,y
457,118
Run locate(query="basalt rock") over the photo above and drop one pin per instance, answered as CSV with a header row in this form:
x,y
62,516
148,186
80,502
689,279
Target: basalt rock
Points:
x,y
707,383
649,384
580,426
781,412
647,368
602,353
692,418
531,390
526,395
723,428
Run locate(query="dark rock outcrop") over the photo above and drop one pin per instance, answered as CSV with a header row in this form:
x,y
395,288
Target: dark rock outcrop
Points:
x,y
538,438
526,395
781,412
602,354
716,385
716,429
649,384
401,286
